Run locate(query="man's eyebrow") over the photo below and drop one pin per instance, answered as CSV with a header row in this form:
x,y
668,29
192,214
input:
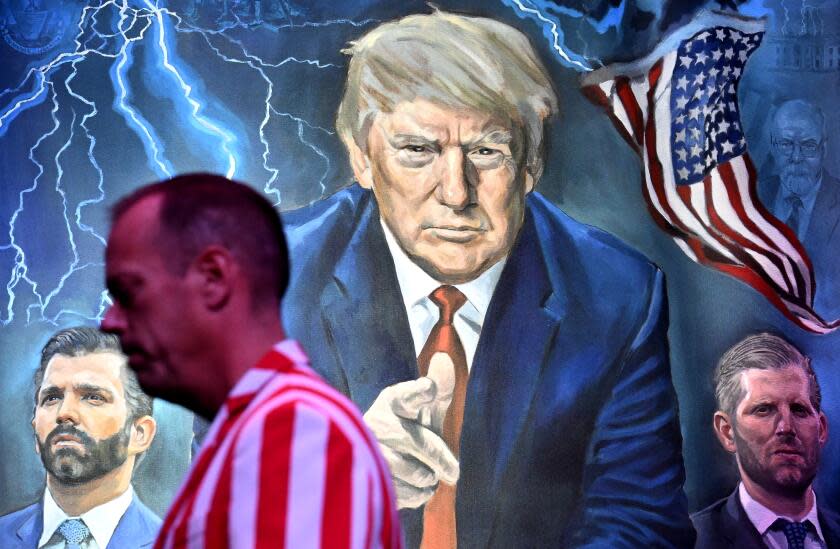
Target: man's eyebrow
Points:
x,y
413,138
496,136
49,390
91,388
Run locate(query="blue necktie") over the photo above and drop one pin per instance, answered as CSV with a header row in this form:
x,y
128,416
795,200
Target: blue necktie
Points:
x,y
74,531
795,532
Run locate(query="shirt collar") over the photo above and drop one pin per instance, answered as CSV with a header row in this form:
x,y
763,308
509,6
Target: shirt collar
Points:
x,y
283,356
763,518
102,520
416,284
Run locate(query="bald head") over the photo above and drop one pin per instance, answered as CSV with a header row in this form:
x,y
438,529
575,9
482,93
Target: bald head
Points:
x,y
801,114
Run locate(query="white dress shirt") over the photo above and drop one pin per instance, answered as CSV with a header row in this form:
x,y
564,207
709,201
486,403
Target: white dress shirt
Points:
x,y
416,285
101,521
763,518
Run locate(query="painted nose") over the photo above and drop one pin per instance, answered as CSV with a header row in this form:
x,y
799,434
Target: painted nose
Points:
x,y
454,189
68,411
785,425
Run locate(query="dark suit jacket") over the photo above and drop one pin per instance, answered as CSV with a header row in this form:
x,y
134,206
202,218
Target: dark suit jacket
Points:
x,y
137,528
820,240
570,433
725,524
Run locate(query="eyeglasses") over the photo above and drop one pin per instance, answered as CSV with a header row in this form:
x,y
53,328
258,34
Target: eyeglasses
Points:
x,y
808,149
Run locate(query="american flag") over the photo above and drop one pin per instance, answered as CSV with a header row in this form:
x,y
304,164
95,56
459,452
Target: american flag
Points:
x,y
678,108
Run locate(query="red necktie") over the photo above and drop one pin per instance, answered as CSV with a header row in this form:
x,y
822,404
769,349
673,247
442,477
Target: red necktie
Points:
x,y
439,514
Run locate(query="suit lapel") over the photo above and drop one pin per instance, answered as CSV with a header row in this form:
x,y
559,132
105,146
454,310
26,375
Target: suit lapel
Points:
x,y
30,531
736,526
130,531
365,315
520,324
830,526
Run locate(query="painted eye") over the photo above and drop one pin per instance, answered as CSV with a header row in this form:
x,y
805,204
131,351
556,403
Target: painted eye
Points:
x,y
800,410
416,149
486,151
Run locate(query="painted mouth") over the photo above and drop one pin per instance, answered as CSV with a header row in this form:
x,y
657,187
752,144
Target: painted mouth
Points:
x,y
455,233
787,452
66,440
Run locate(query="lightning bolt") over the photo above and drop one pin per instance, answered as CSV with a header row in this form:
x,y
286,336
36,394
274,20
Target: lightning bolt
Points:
x,y
787,18
227,139
259,66
113,38
540,10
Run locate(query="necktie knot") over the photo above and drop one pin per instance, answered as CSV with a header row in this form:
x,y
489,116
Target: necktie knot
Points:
x,y
74,531
448,299
795,202
795,532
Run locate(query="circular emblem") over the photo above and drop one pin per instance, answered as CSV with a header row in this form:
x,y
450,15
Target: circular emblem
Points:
x,y
32,29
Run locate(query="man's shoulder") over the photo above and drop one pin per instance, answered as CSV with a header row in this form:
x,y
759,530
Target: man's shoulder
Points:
x,y
598,253
24,525
709,524
138,526
710,515
143,515
330,216
767,189
305,393
830,524
13,520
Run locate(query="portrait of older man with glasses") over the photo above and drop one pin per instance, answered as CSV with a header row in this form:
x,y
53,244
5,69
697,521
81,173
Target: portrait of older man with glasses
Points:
x,y
802,194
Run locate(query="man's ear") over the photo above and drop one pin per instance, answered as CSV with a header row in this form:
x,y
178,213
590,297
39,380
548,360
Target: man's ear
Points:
x,y
213,273
724,429
35,434
823,429
142,433
360,163
529,181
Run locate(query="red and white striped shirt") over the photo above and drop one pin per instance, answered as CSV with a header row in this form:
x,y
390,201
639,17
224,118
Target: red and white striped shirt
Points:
x,y
288,462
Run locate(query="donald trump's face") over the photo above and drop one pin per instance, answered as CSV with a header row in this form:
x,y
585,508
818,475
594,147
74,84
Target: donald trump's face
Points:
x,y
450,185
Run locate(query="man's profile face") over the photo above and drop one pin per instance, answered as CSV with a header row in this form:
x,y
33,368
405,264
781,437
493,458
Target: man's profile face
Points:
x,y
151,311
778,434
81,417
798,148
449,184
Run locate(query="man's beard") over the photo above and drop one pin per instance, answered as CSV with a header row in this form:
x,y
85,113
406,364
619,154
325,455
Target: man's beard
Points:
x,y
798,179
78,465
781,480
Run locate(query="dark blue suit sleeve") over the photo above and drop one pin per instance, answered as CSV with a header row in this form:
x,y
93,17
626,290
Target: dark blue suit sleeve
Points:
x,y
633,478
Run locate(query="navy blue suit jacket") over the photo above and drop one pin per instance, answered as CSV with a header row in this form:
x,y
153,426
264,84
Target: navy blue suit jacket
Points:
x,y
571,435
725,525
137,528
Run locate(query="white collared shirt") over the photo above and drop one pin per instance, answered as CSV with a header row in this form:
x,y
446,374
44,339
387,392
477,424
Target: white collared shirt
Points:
x,y
102,520
763,518
416,285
